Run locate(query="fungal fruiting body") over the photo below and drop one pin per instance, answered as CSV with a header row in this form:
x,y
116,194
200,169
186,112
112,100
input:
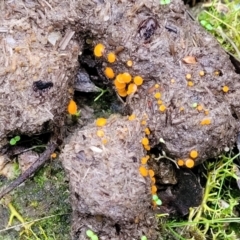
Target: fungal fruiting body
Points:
x,y
109,73
225,89
72,107
138,80
100,122
99,50
193,154
111,57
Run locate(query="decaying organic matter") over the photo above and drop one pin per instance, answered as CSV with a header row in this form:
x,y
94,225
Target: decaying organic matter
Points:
x,y
107,189
189,97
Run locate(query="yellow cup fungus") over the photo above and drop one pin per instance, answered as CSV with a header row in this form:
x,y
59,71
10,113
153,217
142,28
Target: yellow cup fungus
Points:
x,y
72,107
100,133
119,85
109,72
162,108
156,85
193,154
99,50
153,180
147,147
189,163
151,173
111,57
188,76
159,102
157,95
143,122
132,88
205,121
129,63
53,155
225,89
180,162
201,73
199,108
190,83
132,117
100,122
104,141
122,92
154,189
144,160
145,141
127,78
143,171
147,131
138,80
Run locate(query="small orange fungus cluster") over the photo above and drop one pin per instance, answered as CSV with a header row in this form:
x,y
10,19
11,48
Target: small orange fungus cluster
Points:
x,y
189,162
225,89
157,95
124,83
100,122
205,121
72,107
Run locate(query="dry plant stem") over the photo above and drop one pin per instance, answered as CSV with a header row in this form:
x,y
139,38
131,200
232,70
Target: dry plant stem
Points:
x,y
31,170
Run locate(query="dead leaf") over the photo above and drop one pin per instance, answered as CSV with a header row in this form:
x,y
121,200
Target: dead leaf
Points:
x,y
189,59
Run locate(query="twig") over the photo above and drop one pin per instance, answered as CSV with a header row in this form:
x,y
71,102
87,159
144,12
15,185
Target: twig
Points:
x,y
31,170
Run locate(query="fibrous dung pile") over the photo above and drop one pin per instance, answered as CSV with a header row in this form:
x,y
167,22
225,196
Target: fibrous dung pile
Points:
x,y
107,180
166,68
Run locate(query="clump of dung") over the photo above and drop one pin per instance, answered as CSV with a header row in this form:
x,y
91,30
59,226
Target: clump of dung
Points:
x,y
108,193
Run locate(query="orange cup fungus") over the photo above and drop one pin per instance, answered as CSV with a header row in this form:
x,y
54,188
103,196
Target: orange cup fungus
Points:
x,y
99,50
188,76
199,108
193,154
129,63
180,162
147,131
225,89
162,108
201,73
147,147
143,171
100,133
144,160
53,155
111,57
72,107
100,122
122,92
132,88
153,180
127,78
109,72
205,121
153,189
138,80
132,117
145,141
157,95
119,85
151,173
190,83
189,163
